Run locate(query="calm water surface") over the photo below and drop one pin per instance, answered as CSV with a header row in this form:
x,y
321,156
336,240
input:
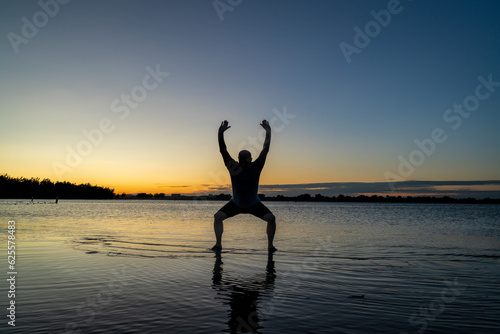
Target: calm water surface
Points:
x,y
144,267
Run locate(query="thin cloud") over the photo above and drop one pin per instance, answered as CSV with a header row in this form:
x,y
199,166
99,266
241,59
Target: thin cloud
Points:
x,y
477,189
173,186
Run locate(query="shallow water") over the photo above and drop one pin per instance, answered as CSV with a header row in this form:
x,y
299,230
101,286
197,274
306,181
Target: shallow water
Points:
x,y
143,267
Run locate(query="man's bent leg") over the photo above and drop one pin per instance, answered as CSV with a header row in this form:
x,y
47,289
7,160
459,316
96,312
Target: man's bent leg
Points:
x,y
218,229
271,230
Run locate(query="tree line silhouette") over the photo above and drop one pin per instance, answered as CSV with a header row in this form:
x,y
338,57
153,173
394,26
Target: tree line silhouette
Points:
x,y
11,187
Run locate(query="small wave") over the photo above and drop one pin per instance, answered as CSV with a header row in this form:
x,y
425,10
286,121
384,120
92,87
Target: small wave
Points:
x,y
492,256
113,246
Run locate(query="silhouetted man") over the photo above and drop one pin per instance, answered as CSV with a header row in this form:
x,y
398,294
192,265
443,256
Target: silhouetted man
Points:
x,y
245,181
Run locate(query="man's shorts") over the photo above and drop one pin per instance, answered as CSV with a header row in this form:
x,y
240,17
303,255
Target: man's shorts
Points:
x,y
258,209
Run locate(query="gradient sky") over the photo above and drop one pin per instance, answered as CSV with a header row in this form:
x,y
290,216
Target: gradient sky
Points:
x,y
347,121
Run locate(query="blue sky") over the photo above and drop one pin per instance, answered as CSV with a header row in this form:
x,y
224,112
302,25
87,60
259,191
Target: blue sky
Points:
x,y
350,121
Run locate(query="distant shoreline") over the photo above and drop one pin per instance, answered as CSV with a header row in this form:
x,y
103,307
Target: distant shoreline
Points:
x,y
281,198
320,198
48,191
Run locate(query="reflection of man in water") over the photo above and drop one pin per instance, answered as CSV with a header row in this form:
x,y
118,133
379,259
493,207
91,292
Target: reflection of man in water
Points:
x,y
245,297
245,180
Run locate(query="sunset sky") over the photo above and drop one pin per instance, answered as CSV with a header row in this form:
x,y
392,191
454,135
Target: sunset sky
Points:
x,y
130,94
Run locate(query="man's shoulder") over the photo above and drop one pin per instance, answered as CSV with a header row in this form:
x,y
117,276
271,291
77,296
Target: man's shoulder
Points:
x,y
230,162
233,166
259,162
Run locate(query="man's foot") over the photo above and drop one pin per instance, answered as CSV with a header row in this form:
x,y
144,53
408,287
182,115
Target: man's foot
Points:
x,y
272,249
216,249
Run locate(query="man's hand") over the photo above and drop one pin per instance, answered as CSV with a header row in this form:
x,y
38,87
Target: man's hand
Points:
x,y
223,127
265,125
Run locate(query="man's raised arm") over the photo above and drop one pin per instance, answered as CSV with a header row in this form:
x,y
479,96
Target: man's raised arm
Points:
x,y
267,141
222,144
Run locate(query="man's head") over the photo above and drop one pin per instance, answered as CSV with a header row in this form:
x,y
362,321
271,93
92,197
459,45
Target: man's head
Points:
x,y
244,157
